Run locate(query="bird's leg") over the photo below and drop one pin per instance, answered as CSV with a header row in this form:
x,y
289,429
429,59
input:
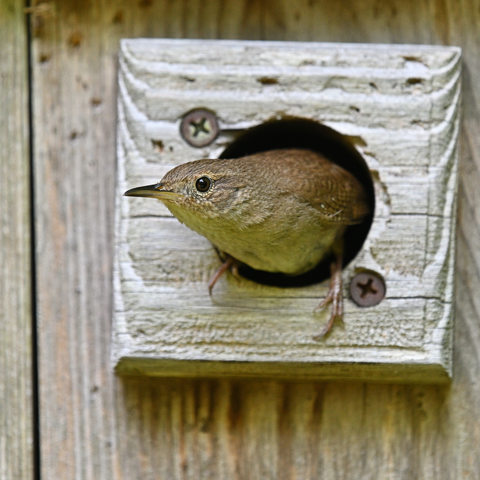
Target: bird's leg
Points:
x,y
335,293
229,263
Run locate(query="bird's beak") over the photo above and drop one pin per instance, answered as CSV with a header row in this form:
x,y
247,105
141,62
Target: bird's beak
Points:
x,y
153,191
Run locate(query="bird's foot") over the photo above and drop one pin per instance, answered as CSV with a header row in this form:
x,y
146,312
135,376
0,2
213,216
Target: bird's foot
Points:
x,y
335,297
229,263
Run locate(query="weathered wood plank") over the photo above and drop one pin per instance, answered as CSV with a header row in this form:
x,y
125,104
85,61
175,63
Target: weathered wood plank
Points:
x,y
95,426
16,401
74,63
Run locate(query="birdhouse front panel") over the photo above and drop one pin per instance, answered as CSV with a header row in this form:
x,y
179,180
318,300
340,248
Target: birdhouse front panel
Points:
x,y
398,106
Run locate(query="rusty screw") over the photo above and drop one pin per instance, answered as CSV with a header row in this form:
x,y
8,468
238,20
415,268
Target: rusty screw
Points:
x,y
199,127
367,289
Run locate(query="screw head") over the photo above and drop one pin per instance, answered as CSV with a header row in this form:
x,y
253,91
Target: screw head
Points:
x,y
367,289
199,127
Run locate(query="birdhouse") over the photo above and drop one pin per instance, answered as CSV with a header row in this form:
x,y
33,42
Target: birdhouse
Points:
x,y
389,114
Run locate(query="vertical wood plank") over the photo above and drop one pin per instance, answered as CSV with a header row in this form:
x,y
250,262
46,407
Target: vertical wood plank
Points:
x,y
16,421
94,425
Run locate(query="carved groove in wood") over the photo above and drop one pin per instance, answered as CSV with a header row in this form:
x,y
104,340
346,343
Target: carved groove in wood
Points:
x,y
401,102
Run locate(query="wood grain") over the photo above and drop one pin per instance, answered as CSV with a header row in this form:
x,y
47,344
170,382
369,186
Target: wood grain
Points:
x,y
162,313
95,426
16,403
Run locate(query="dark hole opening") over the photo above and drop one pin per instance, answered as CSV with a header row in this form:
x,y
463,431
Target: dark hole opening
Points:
x,y
311,135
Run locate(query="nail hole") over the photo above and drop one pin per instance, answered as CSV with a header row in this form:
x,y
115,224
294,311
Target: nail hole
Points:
x,y
158,146
118,17
414,81
267,80
307,63
75,39
414,59
44,57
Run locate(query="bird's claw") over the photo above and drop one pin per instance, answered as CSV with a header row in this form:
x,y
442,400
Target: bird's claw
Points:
x,y
335,297
229,263
328,325
325,301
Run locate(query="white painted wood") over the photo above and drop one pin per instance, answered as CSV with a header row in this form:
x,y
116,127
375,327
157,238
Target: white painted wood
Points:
x,y
401,101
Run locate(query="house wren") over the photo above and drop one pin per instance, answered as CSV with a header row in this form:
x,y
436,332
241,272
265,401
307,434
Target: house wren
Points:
x,y
279,211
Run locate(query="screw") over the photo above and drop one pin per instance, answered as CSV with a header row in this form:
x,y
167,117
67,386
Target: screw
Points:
x,y
367,289
199,127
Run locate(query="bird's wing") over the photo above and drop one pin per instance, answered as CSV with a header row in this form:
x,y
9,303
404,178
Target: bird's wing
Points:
x,y
315,180
338,196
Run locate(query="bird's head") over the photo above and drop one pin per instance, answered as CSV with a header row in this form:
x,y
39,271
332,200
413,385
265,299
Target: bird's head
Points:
x,y
205,188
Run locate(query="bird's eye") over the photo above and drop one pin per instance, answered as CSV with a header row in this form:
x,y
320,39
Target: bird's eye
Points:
x,y
203,184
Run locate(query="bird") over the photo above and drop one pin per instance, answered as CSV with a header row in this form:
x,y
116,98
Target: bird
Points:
x,y
281,211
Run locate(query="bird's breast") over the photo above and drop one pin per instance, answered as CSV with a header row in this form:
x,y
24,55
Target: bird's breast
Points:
x,y
291,241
